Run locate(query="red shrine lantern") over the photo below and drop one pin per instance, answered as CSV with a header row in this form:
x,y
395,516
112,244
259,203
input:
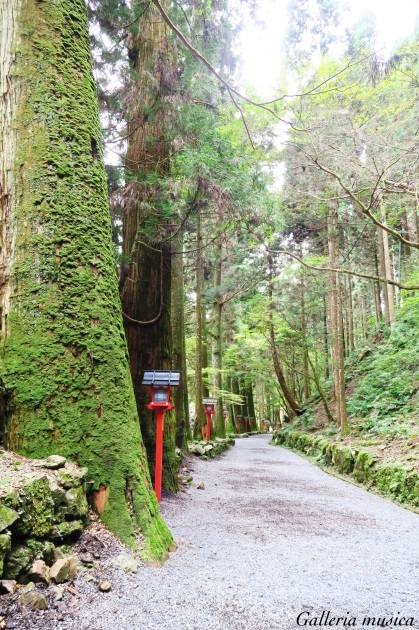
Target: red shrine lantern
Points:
x,y
160,382
209,408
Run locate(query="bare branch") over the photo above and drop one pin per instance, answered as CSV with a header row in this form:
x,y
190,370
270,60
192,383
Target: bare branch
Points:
x,y
313,92
366,210
349,272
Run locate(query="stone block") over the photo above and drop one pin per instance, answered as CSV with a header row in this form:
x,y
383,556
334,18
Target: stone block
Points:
x,y
64,569
8,516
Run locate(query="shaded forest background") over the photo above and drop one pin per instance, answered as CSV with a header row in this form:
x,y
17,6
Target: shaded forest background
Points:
x,y
274,292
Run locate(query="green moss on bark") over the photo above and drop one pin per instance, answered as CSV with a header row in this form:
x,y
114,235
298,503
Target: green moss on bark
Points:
x,y
64,354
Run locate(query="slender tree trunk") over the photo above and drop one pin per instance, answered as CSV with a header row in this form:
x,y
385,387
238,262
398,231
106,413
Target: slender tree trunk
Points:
x,y
306,377
350,315
64,357
377,293
200,419
236,408
205,353
178,344
336,318
385,270
389,275
218,339
326,333
321,392
295,407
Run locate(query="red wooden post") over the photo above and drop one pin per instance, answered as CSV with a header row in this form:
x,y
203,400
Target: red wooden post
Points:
x,y
159,454
208,414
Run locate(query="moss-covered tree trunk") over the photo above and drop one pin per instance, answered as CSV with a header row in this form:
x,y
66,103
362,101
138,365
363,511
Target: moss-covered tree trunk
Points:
x,y
146,281
64,357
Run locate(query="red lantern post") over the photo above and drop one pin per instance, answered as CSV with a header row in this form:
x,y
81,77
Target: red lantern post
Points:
x,y
239,421
160,383
209,408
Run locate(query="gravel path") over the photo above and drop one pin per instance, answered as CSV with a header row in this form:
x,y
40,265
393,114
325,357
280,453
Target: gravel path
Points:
x,y
269,537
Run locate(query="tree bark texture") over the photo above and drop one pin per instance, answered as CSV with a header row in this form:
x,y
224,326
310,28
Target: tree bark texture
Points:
x,y
146,288
64,357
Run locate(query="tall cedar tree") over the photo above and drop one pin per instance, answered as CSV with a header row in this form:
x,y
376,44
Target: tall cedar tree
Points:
x,y
64,357
146,274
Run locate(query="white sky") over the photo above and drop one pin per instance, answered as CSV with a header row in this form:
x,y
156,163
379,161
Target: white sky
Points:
x,y
261,45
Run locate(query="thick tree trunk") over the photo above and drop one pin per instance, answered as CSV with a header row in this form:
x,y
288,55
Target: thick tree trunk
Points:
x,y
146,278
64,357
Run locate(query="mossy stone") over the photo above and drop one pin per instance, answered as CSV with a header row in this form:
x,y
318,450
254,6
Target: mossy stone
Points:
x,y
57,493
9,496
48,552
53,462
18,562
71,478
37,508
343,458
364,463
5,546
67,530
64,569
7,517
75,502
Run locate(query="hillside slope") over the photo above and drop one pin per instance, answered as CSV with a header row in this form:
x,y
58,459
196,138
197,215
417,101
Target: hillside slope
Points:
x,y
382,389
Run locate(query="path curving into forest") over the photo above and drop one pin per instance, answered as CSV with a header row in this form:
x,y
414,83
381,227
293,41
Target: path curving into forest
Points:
x,y
269,537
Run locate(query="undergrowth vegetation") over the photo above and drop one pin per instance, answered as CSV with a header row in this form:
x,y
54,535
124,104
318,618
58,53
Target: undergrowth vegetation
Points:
x,y
382,386
386,379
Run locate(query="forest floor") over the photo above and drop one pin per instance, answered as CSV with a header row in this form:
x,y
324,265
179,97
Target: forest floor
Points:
x,y
270,542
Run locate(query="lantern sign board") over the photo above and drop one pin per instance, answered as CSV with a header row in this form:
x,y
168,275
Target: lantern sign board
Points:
x,y
160,382
209,404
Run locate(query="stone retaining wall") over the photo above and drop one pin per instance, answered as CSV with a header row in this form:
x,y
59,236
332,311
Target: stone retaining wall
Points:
x,y
42,506
359,463
211,449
